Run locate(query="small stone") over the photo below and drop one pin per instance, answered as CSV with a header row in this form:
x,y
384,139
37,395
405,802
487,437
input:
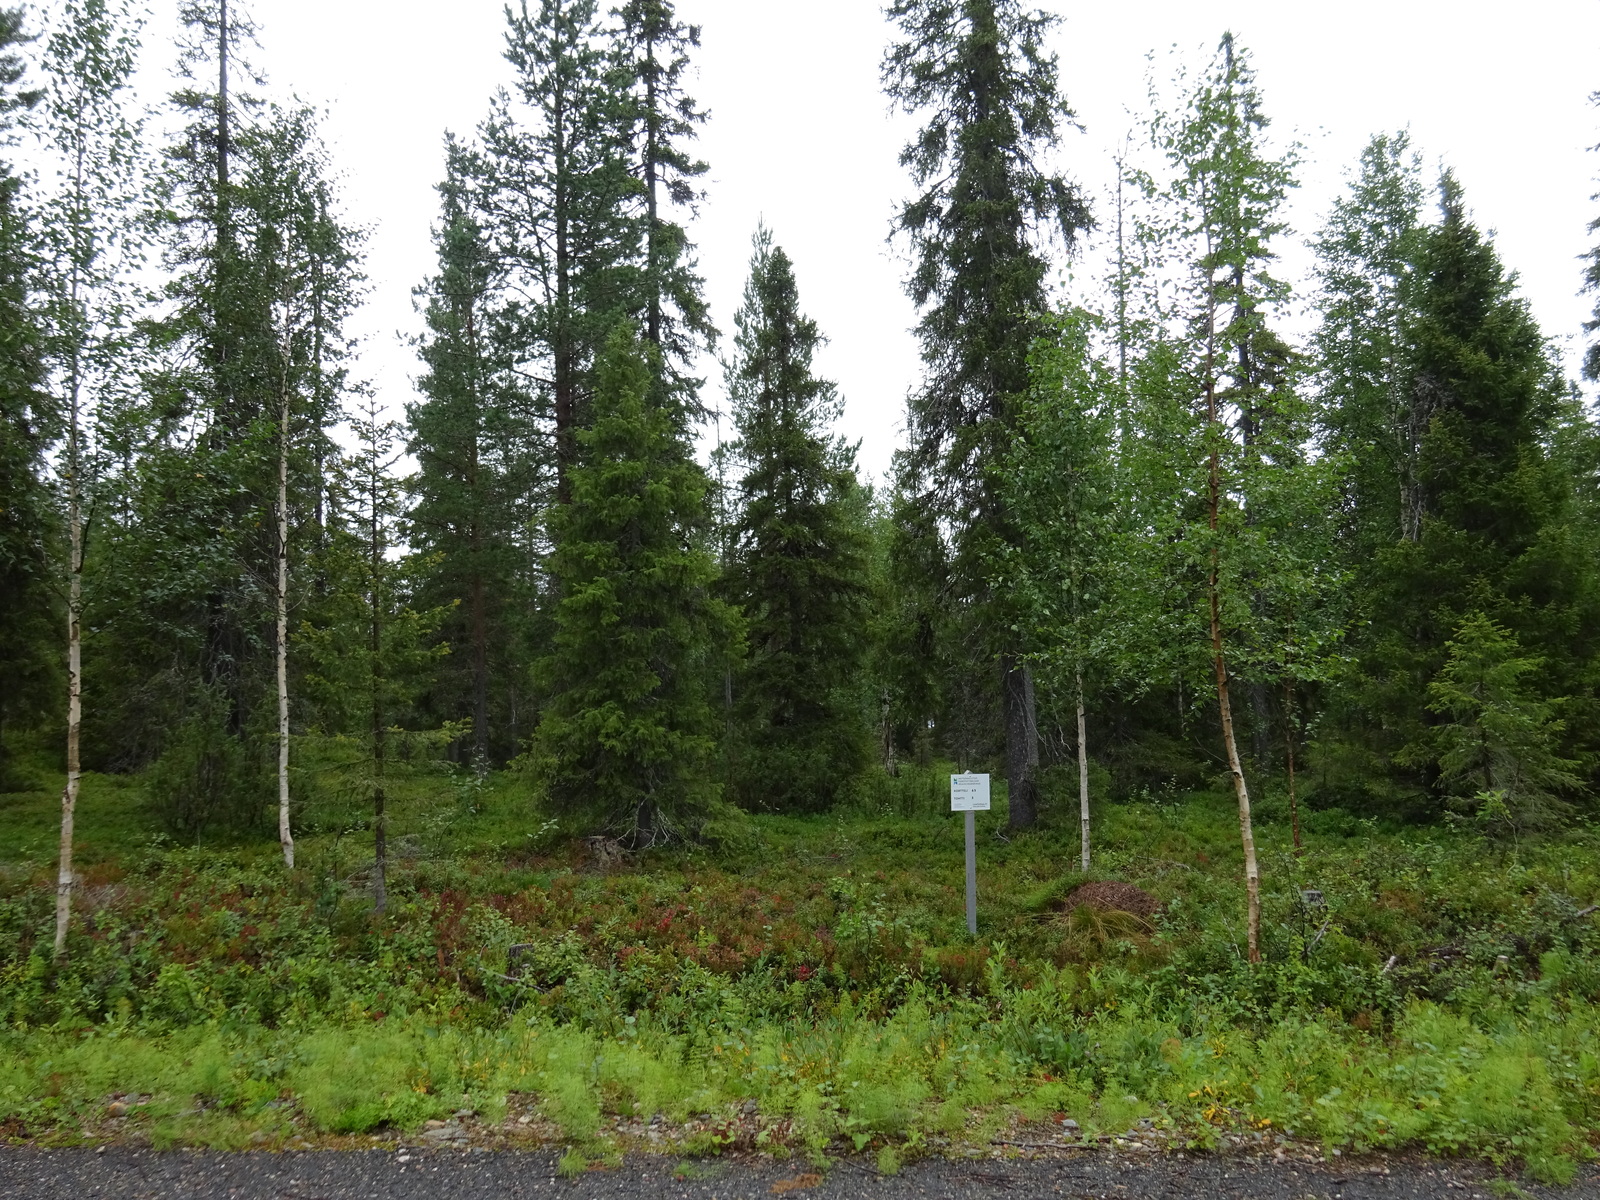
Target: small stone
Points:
x,y
116,1108
461,1114
1068,1124
524,1119
750,1107
434,1124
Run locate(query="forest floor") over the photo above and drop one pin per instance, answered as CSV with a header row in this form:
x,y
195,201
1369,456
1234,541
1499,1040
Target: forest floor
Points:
x,y
800,988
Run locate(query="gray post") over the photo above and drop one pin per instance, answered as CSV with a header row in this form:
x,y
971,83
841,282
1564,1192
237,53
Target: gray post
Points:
x,y
972,876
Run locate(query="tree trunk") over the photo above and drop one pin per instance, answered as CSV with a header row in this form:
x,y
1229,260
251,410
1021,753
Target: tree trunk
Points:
x,y
1252,875
651,150
563,352
69,794
480,677
886,736
1288,747
1261,725
380,848
285,837
1083,771
1022,742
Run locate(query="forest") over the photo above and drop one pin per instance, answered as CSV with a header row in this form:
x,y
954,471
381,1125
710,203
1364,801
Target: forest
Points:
x,y
561,739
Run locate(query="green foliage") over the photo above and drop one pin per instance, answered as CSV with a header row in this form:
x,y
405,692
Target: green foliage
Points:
x,y
1499,745
979,77
657,120
627,736
1488,523
478,482
207,780
27,521
798,558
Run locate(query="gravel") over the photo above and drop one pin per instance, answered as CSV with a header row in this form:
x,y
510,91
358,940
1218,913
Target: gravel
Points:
x,y
125,1173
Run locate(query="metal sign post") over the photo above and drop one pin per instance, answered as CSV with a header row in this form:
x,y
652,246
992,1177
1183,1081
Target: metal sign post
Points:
x,y
970,794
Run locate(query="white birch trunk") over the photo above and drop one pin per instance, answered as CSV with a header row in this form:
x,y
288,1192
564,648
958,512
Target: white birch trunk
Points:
x,y
1083,772
69,794
1252,873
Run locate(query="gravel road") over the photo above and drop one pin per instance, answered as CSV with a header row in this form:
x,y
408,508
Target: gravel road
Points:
x,y
120,1173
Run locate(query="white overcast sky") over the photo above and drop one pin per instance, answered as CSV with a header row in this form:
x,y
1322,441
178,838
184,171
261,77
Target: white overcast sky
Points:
x,y
800,135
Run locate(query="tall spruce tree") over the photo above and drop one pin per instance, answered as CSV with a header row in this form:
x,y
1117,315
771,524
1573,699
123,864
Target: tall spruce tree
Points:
x,y
249,349
555,190
799,557
628,734
195,652
27,520
979,74
1591,283
1370,426
1497,531
476,484
660,120
1366,255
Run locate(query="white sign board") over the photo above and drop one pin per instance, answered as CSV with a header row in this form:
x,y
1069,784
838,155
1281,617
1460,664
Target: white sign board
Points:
x,y
969,793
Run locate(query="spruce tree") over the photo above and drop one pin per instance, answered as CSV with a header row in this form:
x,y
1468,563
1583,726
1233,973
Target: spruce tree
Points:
x,y
659,120
476,482
27,519
978,73
369,646
195,647
224,476
1497,531
1591,283
1366,255
1497,753
555,189
628,735
798,561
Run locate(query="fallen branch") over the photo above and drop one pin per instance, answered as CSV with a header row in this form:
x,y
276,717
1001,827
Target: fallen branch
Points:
x,y
1032,1145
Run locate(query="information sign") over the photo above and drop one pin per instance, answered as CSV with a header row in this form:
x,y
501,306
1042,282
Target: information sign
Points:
x,y
969,793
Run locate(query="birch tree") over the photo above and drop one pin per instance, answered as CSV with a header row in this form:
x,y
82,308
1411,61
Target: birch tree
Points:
x,y
305,263
89,251
1059,483
1240,464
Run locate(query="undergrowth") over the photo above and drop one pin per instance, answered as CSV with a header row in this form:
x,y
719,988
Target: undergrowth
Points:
x,y
1422,987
